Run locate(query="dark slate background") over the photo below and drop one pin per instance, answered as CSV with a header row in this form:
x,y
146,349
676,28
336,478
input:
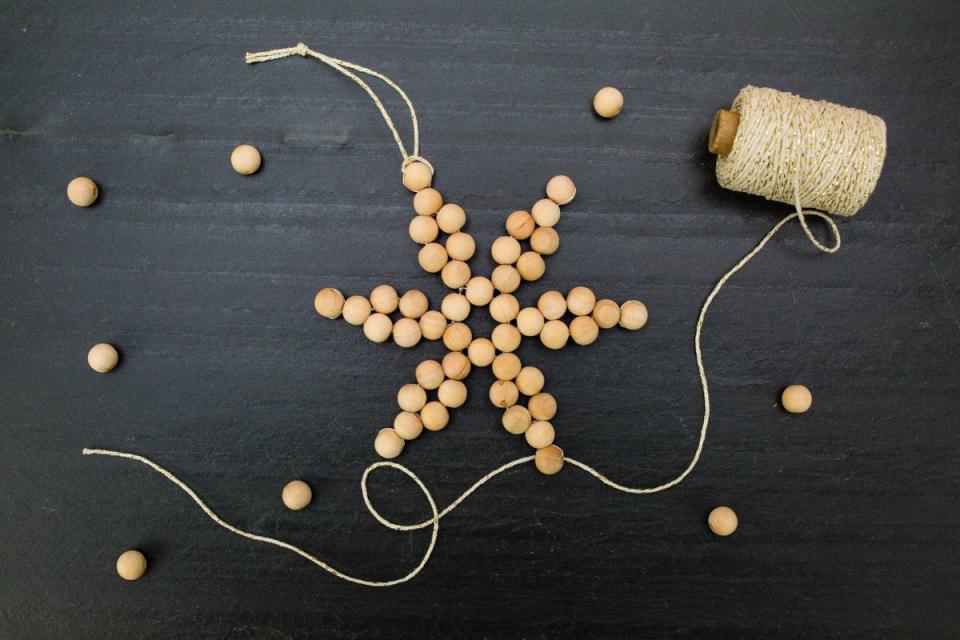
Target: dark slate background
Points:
x,y
205,279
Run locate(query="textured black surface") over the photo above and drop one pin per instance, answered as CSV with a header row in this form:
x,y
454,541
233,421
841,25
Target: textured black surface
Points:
x,y
205,280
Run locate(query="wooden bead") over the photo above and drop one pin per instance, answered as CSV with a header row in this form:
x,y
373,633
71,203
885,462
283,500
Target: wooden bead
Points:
x,y
356,310
633,315
530,381
461,246
451,218
452,393
554,334
388,444
540,434
455,274
417,176
245,159
457,336
607,102
505,250
432,325
329,303
455,307
531,266
423,229
432,257
82,191
427,201
722,521
296,495
503,394
505,278
481,352
545,241
413,304
796,399
504,307
408,425
549,460
434,416
456,366
552,305
411,397
581,301
561,189
506,337
606,313
530,321
429,374
545,212
384,299
520,224
479,291
506,366
131,565
406,332
378,327
103,357
583,330
516,419
542,406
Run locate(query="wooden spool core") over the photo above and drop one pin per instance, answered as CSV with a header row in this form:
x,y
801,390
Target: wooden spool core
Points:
x,y
723,132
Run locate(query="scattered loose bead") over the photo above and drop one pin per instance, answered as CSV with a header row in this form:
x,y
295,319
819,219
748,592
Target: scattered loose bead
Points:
x,y
607,102
506,278
545,241
245,159
452,393
504,307
546,212
455,307
103,357
561,189
531,266
456,366
549,460
505,250
506,337
552,305
423,230
530,321
408,425
583,330
432,257
455,274
406,332
520,224
479,291
82,191
427,201
384,299
481,352
580,301
503,394
411,397
722,521
540,434
451,218
417,176
413,304
516,419
296,495
606,313
530,381
378,327
542,406
796,398
633,314
356,310
506,366
429,374
554,334
432,325
131,565
457,336
461,246
434,416
388,444
329,303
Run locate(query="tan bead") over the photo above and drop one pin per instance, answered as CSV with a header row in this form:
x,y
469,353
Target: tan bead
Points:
x,y
356,310
479,291
503,394
427,201
796,399
633,314
429,374
531,266
505,250
378,327
451,218
408,425
455,307
432,257
506,337
456,366
329,303
530,381
561,189
388,444
545,241
542,406
554,334
505,278
722,521
413,304
461,246
82,191
583,330
384,299
131,565
296,495
481,352
506,366
103,357
406,332
580,301
606,313
417,176
411,397
545,212
423,229
530,321
455,274
432,325
245,159
549,460
520,224
540,434
552,305
452,393
607,102
504,307
434,416
516,419
457,336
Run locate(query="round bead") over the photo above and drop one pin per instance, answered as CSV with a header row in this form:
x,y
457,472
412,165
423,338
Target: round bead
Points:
x,y
429,374
461,246
530,321
413,304
427,201
451,218
377,327
504,307
583,330
356,310
607,102
82,191
530,381
388,444
506,278
546,212
516,419
561,189
455,274
384,299
542,406
411,397
452,393
432,257
434,416
549,460
506,337
329,303
633,314
545,241
417,176
796,399
296,495
554,334
406,332
131,565
432,325
456,366
606,313
580,301
455,306
722,521
503,394
457,336
506,366
520,225
540,434
531,266
479,291
103,357
408,425
245,159
552,305
423,229
481,352
505,250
